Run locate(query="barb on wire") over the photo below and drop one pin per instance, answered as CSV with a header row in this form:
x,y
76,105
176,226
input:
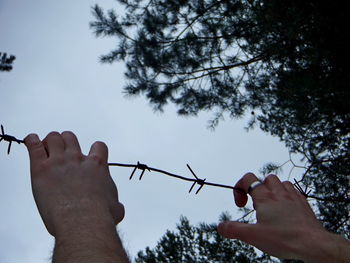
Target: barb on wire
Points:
x,y
196,180
9,139
305,192
140,166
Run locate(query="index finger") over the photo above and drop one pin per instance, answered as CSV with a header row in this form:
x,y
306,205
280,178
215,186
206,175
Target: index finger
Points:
x,y
241,197
35,148
99,151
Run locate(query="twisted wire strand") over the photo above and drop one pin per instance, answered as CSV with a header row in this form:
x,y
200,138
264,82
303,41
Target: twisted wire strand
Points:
x,y
195,181
9,139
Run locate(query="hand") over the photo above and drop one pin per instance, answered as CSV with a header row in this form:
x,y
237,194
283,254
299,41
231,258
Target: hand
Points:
x,y
69,188
285,225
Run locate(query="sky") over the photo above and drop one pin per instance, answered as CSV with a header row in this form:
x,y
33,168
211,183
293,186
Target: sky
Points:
x,y
58,84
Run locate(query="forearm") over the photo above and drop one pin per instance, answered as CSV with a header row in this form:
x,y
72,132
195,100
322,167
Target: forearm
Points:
x,y
326,247
89,244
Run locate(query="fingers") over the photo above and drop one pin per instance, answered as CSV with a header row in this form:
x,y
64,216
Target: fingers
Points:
x,y
99,151
71,142
237,230
268,238
35,148
244,183
273,183
290,188
54,144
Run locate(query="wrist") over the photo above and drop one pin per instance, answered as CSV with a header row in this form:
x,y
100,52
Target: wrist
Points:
x,y
83,222
89,247
320,247
87,239
80,216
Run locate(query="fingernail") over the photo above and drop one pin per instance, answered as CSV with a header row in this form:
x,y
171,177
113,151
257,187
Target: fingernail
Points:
x,y
32,138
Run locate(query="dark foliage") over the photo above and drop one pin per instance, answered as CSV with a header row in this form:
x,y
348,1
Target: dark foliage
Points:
x,y
285,62
200,243
6,62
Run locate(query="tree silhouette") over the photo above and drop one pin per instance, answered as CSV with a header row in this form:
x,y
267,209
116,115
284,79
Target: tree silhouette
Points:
x,y
199,243
285,63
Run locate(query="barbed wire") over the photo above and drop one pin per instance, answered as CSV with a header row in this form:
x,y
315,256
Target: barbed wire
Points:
x,y
195,181
9,139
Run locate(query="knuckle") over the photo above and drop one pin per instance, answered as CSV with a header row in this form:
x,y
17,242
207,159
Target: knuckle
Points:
x,y
288,184
96,159
271,196
271,177
76,156
41,167
287,196
267,197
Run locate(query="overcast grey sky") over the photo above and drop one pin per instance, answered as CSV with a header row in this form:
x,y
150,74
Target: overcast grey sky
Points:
x,y
58,84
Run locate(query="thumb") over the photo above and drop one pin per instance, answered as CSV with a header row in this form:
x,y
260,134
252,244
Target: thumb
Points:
x,y
236,230
118,213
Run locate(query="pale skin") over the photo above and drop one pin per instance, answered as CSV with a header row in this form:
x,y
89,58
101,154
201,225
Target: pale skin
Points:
x,y
286,226
78,202
77,199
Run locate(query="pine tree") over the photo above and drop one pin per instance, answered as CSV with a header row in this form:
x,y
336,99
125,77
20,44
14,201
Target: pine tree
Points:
x,y
199,243
283,62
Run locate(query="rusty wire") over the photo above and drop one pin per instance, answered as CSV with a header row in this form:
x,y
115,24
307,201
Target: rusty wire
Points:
x,y
195,181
